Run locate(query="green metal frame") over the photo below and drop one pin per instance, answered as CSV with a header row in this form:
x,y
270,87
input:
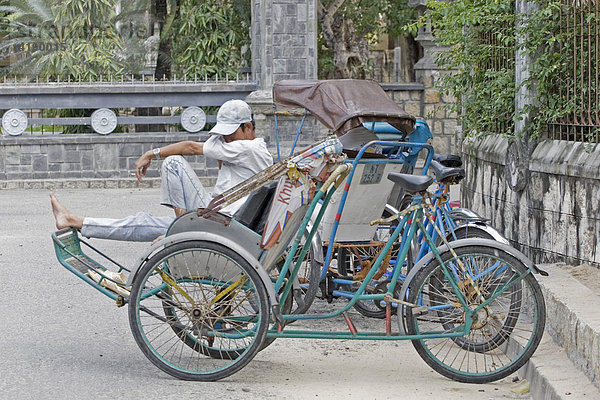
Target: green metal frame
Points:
x,y
412,217
67,245
68,249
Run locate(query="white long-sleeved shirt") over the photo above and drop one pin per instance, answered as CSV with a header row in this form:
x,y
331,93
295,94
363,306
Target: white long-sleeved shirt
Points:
x,y
241,159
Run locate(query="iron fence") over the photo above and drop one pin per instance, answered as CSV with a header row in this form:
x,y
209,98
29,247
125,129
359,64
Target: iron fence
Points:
x,y
578,88
114,104
500,58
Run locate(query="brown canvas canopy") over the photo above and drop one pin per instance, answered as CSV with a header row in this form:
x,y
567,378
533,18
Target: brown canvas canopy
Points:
x,y
343,104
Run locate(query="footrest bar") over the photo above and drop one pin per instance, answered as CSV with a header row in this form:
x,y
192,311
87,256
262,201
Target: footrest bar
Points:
x,y
67,246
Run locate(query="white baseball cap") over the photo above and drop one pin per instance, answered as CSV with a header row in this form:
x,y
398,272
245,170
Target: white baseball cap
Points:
x,y
231,114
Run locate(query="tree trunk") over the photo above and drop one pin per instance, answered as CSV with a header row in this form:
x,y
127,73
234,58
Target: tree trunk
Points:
x,y
350,50
163,62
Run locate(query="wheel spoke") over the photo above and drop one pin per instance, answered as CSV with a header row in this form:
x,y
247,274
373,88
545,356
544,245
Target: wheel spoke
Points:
x,y
209,315
515,314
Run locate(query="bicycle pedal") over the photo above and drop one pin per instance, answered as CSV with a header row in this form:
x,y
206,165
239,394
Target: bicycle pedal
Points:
x,y
328,286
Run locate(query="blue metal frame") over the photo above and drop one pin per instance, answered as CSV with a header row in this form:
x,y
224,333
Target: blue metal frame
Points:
x,y
358,160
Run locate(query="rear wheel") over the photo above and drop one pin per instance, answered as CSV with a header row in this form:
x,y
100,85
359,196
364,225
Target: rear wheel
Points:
x,y
198,311
469,231
504,333
349,266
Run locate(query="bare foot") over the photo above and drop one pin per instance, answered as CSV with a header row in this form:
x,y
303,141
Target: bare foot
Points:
x,y
64,218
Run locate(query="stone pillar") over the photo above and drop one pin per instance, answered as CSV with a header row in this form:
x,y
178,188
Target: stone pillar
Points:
x,y
426,40
520,149
284,40
522,60
284,46
443,124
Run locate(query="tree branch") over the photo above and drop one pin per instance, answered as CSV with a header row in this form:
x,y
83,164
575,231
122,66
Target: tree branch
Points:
x,y
326,16
320,9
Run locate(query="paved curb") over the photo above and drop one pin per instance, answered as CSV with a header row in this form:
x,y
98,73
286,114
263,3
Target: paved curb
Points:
x,y
573,320
552,376
567,362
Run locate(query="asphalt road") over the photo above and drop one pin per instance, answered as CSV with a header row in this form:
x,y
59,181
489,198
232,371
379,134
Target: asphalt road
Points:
x,y
59,338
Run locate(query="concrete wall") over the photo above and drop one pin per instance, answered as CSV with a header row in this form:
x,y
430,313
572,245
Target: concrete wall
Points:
x,y
92,156
86,157
555,218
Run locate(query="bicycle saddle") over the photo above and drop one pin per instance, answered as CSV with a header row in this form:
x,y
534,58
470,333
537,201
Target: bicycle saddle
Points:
x,y
411,183
448,160
445,174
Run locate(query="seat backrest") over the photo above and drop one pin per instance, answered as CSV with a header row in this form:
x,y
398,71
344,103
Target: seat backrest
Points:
x,y
367,197
255,209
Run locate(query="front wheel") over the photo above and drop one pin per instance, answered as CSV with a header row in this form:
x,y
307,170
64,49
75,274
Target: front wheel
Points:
x,y
198,311
503,334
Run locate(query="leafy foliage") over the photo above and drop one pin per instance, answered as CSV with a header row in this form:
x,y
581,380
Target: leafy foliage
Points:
x,y
210,38
480,36
87,39
483,38
73,38
550,69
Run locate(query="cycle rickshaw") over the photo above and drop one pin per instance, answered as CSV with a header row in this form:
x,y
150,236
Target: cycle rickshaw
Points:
x,y
216,290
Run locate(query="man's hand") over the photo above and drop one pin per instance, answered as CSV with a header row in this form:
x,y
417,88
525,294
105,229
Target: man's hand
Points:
x,y
182,148
142,164
158,238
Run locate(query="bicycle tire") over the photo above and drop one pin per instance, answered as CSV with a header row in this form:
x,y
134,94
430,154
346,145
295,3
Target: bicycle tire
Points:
x,y
193,342
464,361
512,295
473,231
310,274
286,308
462,232
221,306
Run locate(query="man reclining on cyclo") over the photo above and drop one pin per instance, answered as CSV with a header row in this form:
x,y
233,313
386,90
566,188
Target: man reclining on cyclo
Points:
x,y
233,143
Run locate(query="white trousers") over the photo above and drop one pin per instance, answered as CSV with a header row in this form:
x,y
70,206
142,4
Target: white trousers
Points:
x,y
180,188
